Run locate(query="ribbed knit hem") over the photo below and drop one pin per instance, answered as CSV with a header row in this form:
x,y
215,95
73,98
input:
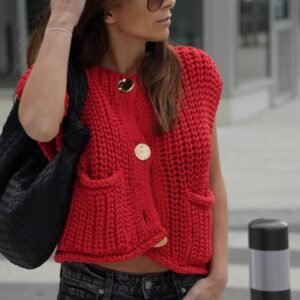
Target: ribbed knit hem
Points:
x,y
62,256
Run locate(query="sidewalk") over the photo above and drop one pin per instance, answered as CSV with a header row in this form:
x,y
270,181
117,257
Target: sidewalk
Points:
x,y
261,160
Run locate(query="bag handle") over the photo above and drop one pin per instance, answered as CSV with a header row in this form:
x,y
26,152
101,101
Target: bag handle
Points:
x,y
77,87
74,134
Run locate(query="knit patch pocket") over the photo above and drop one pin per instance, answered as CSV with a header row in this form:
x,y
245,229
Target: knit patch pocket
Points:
x,y
100,218
199,248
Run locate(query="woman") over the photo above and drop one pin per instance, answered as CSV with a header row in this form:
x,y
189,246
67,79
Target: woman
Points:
x,y
149,181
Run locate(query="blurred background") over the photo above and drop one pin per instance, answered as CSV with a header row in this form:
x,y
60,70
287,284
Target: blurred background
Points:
x,y
256,46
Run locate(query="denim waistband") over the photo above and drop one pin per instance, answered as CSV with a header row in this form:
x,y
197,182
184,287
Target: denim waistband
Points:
x,y
99,280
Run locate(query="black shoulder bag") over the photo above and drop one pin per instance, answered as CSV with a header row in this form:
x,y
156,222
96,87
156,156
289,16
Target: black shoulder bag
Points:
x,y
35,194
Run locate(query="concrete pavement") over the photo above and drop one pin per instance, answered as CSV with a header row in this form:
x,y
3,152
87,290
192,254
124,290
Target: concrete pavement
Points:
x,y
261,162
261,166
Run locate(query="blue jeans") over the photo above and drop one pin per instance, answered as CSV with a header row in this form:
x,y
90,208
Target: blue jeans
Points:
x,y
81,281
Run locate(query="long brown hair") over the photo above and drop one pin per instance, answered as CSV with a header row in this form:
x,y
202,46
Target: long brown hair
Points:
x,y
160,70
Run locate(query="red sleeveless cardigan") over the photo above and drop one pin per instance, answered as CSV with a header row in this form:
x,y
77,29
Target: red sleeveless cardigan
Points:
x,y
123,205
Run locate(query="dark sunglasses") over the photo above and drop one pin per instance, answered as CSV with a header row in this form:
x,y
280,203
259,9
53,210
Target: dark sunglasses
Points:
x,y
153,5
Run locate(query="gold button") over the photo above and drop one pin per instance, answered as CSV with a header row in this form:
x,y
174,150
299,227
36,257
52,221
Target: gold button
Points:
x,y
142,151
163,242
125,85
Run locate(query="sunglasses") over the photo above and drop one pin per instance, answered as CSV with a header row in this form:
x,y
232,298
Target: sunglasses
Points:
x,y
153,5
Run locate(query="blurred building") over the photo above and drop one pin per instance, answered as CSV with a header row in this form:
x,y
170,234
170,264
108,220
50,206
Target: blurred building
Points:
x,y
255,43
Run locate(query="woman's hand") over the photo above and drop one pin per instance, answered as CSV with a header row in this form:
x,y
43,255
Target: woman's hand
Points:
x,y
208,288
66,12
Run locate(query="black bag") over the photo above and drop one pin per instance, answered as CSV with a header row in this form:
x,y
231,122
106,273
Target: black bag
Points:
x,y
35,194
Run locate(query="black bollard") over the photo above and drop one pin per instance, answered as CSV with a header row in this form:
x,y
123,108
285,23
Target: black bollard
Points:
x,y
269,260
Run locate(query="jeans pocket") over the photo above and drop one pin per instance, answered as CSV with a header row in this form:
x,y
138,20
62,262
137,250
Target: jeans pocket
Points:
x,y
189,282
118,295
73,289
70,292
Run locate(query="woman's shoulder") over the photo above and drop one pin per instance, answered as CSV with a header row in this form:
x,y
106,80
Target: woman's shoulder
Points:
x,y
198,62
194,57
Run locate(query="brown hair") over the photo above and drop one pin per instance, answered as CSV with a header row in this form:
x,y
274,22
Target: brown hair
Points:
x,y
160,69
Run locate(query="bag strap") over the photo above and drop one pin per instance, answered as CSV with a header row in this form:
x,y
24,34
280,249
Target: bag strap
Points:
x,y
77,87
74,134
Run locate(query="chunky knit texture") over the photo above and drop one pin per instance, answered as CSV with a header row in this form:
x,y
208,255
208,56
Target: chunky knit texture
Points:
x,y
122,206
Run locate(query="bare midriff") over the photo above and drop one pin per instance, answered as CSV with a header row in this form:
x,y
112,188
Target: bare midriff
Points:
x,y
140,264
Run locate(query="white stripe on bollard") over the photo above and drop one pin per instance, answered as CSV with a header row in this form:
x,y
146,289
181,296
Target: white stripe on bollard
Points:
x,y
269,270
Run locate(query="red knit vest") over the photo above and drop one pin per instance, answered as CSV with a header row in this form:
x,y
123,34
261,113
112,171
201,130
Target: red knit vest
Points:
x,y
135,189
